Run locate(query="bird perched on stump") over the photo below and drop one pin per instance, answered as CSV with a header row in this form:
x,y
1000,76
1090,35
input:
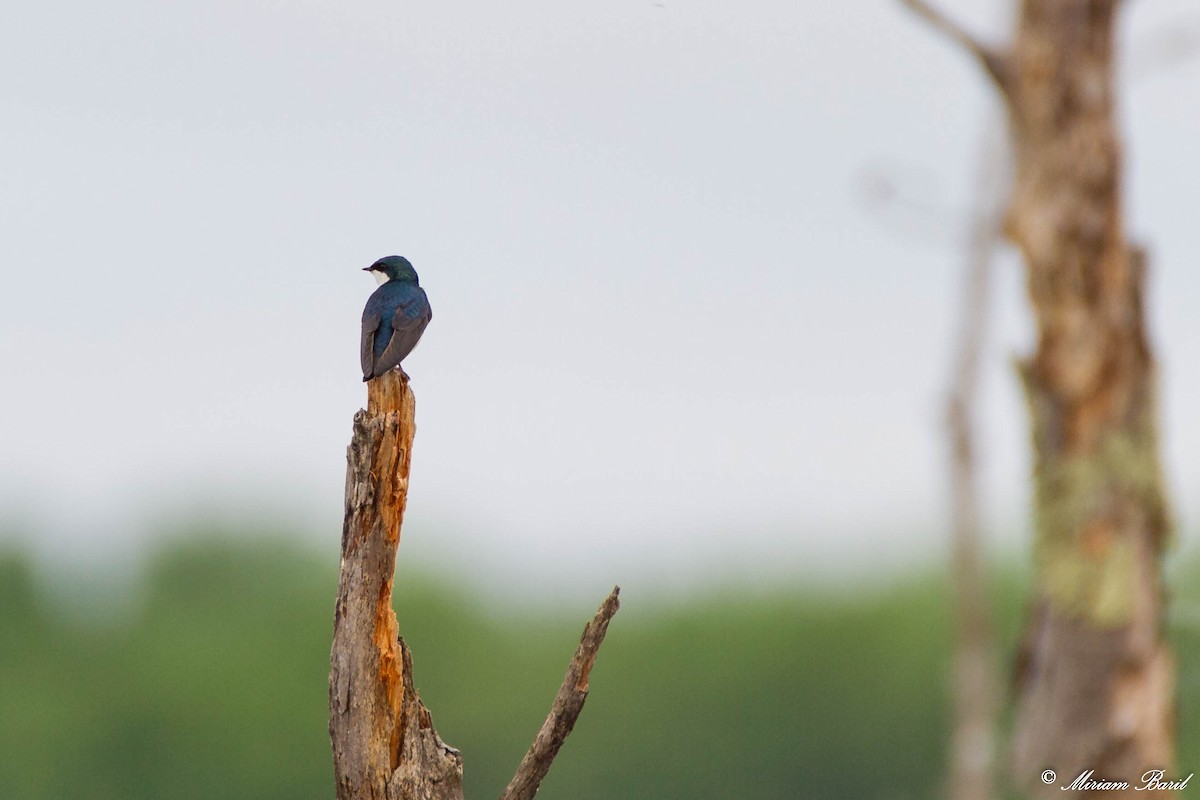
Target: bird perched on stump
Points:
x,y
395,316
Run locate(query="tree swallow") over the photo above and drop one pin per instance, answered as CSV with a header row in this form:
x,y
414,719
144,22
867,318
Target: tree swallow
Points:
x,y
395,316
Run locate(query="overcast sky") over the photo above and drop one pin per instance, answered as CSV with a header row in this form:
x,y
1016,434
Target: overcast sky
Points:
x,y
669,332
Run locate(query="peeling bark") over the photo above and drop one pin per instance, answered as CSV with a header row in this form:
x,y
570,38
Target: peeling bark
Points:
x,y
384,744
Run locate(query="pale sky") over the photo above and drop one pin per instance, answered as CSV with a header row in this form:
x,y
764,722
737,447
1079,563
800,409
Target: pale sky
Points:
x,y
670,337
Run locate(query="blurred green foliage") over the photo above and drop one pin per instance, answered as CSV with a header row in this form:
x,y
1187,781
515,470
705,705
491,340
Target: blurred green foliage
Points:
x,y
213,685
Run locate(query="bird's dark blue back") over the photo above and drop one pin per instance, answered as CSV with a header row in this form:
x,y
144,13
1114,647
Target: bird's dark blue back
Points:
x,y
393,296
409,301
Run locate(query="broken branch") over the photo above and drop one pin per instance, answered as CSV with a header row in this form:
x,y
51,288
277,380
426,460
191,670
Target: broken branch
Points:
x,y
994,61
567,706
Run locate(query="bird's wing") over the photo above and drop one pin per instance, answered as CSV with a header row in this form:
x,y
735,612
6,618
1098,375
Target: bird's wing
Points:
x,y
406,331
407,316
366,347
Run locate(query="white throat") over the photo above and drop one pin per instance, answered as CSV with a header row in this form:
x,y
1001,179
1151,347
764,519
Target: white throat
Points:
x,y
380,277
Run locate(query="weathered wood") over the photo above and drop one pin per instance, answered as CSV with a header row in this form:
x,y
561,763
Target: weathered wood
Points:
x,y
428,769
1095,679
568,703
384,744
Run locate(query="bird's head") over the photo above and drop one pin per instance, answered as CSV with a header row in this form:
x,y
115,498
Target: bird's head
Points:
x,y
393,268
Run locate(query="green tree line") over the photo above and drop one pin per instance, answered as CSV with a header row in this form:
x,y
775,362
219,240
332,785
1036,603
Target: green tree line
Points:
x,y
212,684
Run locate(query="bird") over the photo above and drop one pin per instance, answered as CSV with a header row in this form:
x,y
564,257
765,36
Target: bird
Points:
x,y
394,318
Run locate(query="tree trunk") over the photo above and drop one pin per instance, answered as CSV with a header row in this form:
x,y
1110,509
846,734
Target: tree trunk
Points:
x,y
1094,679
384,743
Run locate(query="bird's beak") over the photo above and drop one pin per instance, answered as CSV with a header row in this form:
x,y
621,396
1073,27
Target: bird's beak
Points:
x,y
368,269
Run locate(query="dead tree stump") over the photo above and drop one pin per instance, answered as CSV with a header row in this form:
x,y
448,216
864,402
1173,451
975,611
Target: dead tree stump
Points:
x,y
384,743
376,717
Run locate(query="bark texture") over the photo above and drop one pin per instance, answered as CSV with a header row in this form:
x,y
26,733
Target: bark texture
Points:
x,y
1094,681
384,743
1095,684
568,703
